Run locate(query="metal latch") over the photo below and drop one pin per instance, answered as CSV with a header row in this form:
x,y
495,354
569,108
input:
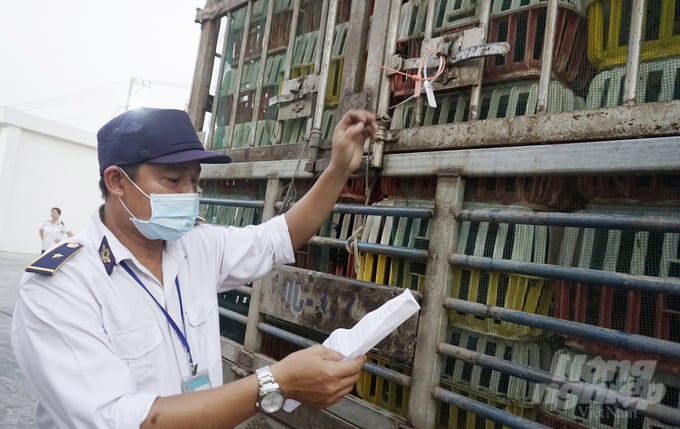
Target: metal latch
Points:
x,y
457,48
296,98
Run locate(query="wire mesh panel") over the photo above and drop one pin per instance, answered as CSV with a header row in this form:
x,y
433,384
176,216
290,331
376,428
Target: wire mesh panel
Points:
x,y
645,253
635,379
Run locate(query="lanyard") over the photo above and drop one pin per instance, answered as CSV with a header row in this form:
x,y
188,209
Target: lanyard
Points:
x,y
172,323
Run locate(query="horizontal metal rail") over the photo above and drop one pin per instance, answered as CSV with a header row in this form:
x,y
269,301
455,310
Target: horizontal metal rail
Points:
x,y
408,212
230,314
487,411
642,406
377,249
660,155
258,204
567,327
582,220
387,374
666,285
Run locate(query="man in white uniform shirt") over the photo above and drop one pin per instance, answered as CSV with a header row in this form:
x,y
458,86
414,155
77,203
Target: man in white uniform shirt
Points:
x,y
119,328
53,230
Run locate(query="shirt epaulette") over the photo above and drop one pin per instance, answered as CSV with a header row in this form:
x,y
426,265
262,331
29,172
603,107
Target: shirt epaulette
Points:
x,y
49,262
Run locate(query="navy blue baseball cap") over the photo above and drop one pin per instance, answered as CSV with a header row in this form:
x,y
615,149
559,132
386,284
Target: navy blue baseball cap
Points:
x,y
157,136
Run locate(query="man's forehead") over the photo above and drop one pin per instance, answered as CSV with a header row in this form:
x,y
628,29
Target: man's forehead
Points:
x,y
184,167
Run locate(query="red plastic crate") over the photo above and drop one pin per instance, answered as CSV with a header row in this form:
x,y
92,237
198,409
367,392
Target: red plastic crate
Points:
x,y
642,188
523,30
637,312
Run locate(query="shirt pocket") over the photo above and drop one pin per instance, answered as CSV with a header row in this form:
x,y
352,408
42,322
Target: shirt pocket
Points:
x,y
204,335
136,347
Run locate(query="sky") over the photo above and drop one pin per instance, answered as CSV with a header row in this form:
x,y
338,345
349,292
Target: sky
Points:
x,y
74,61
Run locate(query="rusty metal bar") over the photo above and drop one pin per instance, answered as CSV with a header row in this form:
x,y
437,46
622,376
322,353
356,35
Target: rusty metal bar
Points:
x,y
412,212
476,93
665,285
433,322
232,202
377,147
427,34
260,74
200,88
582,220
487,411
567,327
640,405
218,86
637,17
378,249
253,337
387,374
547,57
324,48
621,157
239,75
289,61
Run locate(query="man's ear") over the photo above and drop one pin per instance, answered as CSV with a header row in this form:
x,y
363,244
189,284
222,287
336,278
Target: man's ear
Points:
x,y
113,180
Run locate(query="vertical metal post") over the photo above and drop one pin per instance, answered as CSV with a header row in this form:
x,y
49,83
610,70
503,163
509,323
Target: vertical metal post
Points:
x,y
252,340
547,57
289,61
422,408
239,74
326,52
385,93
378,50
357,33
220,78
200,89
429,28
476,94
260,72
637,17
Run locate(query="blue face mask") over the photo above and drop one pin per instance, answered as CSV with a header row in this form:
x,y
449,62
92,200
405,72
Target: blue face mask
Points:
x,y
172,215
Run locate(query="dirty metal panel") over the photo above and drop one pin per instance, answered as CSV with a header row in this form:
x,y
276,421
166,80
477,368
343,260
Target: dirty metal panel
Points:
x,y
324,302
297,97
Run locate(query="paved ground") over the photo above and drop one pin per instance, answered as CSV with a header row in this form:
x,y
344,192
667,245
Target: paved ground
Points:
x,y
16,399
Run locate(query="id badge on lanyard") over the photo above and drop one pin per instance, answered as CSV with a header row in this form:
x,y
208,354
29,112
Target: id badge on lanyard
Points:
x,y
194,383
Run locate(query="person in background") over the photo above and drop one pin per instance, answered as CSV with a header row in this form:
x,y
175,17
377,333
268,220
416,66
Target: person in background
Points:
x,y
119,326
53,230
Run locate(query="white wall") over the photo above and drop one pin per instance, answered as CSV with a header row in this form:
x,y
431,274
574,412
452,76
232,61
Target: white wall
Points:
x,y
43,164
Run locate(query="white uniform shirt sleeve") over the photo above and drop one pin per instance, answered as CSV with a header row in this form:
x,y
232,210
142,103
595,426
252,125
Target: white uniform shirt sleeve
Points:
x,y
62,349
246,254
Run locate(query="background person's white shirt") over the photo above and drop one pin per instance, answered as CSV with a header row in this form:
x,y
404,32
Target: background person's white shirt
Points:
x,y
53,233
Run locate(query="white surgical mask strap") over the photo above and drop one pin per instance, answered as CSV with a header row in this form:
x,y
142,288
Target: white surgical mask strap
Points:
x,y
133,183
127,209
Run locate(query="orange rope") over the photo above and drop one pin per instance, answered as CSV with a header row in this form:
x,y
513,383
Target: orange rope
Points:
x,y
418,76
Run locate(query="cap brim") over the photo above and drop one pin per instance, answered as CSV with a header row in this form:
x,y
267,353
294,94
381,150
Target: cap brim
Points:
x,y
202,156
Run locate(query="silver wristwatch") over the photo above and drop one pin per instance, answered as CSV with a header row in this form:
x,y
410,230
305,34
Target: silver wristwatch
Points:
x,y
270,397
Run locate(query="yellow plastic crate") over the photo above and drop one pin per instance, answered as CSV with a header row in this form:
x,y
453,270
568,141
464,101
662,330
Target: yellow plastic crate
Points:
x,y
490,382
384,393
400,232
659,38
515,292
452,417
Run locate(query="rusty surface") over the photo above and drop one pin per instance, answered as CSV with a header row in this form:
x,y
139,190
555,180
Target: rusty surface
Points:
x,y
324,302
644,120
215,9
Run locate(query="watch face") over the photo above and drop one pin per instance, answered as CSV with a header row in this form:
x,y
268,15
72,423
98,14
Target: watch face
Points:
x,y
271,402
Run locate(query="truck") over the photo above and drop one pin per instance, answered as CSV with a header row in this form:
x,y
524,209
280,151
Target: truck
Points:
x,y
524,184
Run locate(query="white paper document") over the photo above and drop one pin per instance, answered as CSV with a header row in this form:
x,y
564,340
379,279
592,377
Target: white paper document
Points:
x,y
369,331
